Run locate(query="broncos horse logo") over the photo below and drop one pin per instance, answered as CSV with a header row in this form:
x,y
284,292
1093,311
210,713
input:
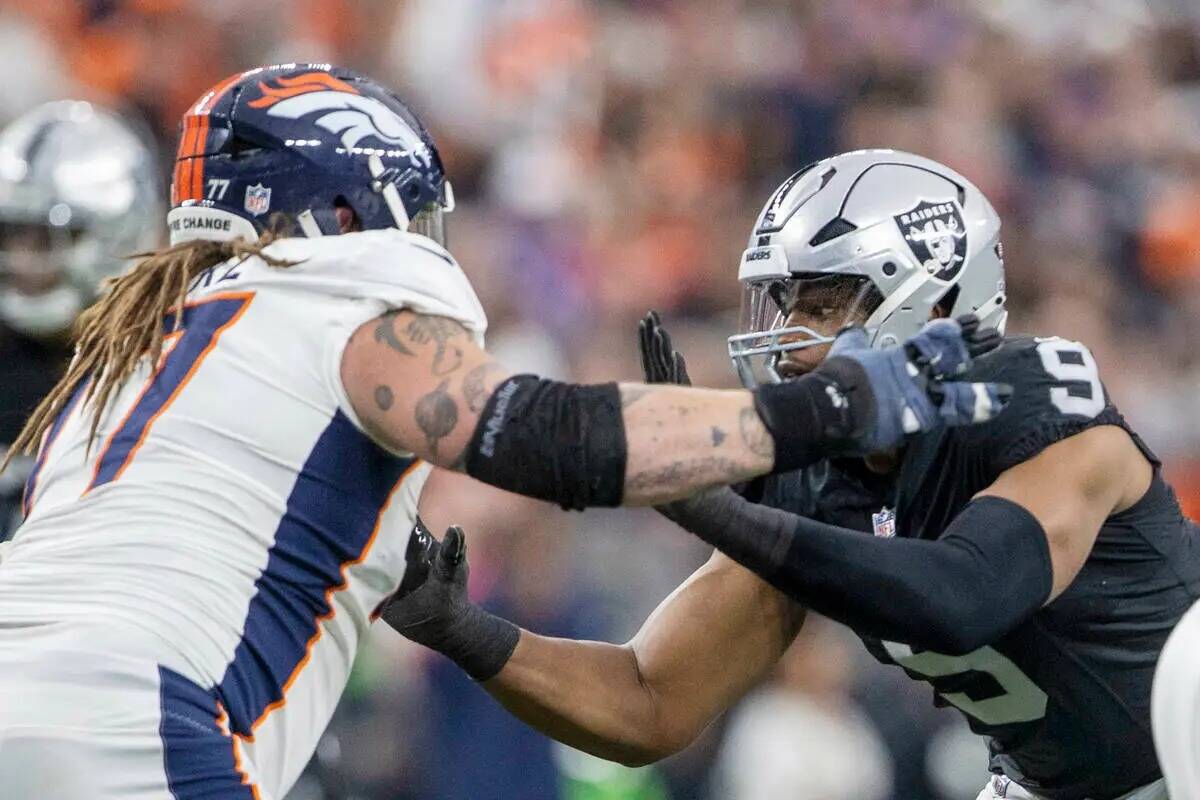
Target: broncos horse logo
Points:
x,y
343,111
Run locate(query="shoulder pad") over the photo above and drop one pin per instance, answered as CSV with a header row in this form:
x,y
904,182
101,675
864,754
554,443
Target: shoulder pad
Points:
x,y
398,269
1057,393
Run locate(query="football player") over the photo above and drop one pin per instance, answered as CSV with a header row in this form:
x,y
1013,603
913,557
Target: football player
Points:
x,y
1029,569
79,191
1175,708
228,473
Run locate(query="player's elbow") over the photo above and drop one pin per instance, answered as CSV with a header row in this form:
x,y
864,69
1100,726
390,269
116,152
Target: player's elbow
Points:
x,y
657,725
654,746
956,640
637,756
962,624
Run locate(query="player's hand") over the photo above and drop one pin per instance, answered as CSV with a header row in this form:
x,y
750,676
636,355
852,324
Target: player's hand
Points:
x,y
902,390
660,362
431,606
434,588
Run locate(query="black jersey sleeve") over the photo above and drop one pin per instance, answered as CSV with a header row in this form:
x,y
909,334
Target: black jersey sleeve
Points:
x,y
1057,393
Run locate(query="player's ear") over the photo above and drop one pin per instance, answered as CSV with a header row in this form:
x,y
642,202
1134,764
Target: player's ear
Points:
x,y
347,218
942,307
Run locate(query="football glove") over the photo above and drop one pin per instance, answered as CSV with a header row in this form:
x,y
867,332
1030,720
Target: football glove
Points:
x,y
431,606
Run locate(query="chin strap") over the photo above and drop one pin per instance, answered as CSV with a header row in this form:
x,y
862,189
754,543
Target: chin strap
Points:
x,y
308,224
391,195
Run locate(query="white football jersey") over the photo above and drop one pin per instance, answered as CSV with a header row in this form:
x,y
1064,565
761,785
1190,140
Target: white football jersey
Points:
x,y
232,522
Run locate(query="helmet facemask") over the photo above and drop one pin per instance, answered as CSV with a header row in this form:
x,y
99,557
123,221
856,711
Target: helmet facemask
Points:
x,y
38,292
430,222
430,219
822,303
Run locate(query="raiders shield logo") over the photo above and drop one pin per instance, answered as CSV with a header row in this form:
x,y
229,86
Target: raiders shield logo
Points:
x,y
937,236
258,199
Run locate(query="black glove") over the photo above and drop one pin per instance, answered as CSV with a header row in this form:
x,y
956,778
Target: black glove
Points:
x,y
431,606
660,363
979,340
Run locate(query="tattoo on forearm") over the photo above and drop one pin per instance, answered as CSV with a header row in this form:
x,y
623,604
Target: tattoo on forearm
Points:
x,y
475,389
440,331
385,333
384,397
631,394
437,416
754,434
718,436
678,475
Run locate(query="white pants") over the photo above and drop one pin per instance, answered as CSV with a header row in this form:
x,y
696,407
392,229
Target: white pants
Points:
x,y
84,724
1001,788
1175,708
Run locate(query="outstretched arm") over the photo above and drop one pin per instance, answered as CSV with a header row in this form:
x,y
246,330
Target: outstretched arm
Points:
x,y
1016,546
420,384
713,639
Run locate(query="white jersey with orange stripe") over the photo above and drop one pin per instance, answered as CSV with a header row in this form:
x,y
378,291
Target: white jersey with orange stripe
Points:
x,y
232,522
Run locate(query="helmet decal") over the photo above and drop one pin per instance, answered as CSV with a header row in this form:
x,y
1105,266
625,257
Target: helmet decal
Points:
x,y
292,139
841,219
297,85
353,117
937,237
258,200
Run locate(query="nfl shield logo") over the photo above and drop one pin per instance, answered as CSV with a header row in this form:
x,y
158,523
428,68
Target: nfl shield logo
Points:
x,y
937,236
258,199
884,523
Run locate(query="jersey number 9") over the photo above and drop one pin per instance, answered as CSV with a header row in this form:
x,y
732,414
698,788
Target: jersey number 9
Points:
x,y
1071,362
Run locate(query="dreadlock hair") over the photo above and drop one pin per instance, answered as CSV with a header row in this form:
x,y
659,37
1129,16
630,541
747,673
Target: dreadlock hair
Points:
x,y
126,323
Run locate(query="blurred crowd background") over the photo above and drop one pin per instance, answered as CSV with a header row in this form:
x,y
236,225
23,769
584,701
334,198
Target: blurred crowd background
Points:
x,y
610,157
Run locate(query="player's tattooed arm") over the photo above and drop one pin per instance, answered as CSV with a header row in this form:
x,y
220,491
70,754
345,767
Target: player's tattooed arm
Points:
x,y
683,439
420,383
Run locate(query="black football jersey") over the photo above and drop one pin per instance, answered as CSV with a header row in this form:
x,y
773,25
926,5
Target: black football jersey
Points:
x,y
1064,699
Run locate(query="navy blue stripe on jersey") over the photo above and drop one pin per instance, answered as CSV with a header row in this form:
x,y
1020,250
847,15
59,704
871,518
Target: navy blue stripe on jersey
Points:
x,y
55,429
199,758
331,517
203,322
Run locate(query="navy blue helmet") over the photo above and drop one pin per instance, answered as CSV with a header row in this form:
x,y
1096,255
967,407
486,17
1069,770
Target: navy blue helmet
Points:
x,y
304,140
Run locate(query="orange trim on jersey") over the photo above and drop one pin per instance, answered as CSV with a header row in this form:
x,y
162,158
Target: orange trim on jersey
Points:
x,y
244,296
329,593
223,724
299,84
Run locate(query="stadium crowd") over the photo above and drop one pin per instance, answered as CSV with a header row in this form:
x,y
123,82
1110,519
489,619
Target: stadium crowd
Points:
x,y
609,158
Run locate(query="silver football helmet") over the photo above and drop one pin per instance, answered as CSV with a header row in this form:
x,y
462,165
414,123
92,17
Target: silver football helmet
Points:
x,y
890,235
79,193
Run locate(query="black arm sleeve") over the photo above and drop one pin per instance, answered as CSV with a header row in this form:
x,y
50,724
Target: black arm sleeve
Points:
x,y
988,571
566,443
555,441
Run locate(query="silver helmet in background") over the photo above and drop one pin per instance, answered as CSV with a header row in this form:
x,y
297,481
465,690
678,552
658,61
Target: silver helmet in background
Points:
x,y
79,192
883,238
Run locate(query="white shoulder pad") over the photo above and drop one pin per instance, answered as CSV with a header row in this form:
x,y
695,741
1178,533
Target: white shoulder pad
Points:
x,y
398,269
